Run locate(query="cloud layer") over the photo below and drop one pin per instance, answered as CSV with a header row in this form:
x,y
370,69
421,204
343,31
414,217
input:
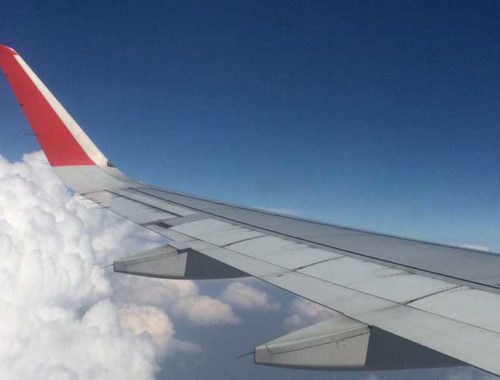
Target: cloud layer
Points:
x,y
64,314
248,297
303,313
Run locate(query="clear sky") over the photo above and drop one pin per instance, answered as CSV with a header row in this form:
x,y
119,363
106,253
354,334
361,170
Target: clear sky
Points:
x,y
380,115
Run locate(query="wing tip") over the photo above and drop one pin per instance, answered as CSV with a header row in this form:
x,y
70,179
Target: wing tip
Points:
x,y
4,49
61,138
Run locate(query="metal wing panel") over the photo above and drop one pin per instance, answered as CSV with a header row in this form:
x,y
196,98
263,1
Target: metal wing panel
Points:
x,y
365,277
472,306
378,280
88,179
147,199
139,213
216,232
288,254
460,264
465,265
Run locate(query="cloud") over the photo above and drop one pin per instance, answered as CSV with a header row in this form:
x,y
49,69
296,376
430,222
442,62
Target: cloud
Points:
x,y
148,321
467,373
181,298
476,247
53,342
205,311
304,313
64,315
248,297
152,291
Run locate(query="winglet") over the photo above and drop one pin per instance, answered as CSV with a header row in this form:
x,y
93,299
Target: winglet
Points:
x,y
7,50
61,138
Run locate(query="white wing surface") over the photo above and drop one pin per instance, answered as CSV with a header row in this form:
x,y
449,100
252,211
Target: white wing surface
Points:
x,y
403,303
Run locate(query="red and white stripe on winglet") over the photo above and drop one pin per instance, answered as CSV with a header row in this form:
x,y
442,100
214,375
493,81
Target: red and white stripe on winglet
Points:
x,y
61,138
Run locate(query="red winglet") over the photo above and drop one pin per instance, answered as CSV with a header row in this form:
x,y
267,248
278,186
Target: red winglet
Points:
x,y
7,50
58,143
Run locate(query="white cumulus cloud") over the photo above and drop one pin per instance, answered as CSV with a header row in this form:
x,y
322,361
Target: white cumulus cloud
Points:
x,y
248,297
476,247
205,311
303,313
181,298
466,373
64,314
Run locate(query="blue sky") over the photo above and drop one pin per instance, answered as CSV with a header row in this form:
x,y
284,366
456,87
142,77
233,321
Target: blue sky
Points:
x,y
378,115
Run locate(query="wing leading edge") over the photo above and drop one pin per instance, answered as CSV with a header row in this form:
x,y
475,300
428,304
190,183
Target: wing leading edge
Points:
x,y
434,305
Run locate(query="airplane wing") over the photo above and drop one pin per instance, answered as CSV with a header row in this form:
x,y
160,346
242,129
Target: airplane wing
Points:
x,y
402,303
